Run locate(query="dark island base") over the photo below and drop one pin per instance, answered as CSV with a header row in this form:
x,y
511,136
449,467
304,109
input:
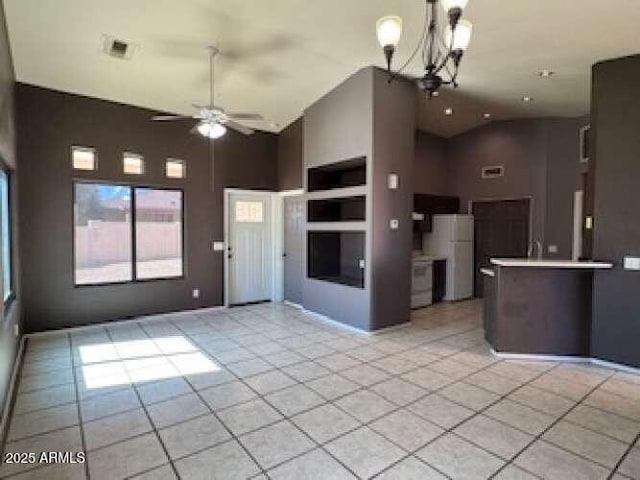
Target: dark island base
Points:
x,y
538,311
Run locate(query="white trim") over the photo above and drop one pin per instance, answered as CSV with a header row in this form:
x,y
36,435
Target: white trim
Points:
x,y
331,321
566,359
275,199
10,391
144,318
290,193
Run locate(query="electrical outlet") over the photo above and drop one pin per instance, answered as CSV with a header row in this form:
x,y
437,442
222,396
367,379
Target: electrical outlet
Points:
x,y
196,293
393,181
552,249
394,224
632,263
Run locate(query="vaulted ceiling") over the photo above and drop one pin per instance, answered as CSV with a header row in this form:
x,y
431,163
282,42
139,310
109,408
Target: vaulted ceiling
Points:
x,y
279,56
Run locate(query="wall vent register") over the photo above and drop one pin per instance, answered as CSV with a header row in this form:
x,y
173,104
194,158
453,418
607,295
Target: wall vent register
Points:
x,y
496,171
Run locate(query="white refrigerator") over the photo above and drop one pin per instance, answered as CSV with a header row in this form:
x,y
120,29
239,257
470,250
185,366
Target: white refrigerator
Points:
x,y
452,239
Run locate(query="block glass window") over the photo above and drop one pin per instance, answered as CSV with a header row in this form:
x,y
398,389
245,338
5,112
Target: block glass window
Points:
x,y
84,158
124,233
5,212
158,233
133,164
249,212
176,168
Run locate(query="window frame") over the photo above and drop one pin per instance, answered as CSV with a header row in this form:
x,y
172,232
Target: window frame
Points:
x,y
12,293
137,156
80,148
134,270
180,161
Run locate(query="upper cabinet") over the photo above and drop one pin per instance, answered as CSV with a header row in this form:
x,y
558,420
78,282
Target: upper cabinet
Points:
x,y
426,205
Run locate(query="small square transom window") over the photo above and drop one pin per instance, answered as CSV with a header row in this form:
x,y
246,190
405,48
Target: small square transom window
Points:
x,y
176,168
84,158
133,164
249,212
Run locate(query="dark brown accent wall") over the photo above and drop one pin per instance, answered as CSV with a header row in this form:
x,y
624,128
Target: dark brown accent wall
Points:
x,y
11,316
518,145
290,151
430,167
393,152
615,125
49,123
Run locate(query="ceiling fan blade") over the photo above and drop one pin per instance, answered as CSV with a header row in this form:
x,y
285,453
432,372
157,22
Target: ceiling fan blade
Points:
x,y
164,118
246,116
238,127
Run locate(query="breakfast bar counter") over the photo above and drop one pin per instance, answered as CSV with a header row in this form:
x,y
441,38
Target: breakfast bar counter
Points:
x,y
539,307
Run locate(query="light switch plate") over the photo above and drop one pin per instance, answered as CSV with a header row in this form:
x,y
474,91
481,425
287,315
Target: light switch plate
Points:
x,y
632,263
588,223
361,263
218,246
394,224
196,293
393,181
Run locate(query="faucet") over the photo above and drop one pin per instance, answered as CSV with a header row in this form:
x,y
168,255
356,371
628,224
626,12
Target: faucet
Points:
x,y
538,245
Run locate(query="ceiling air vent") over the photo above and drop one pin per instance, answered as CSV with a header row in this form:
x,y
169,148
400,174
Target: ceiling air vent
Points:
x,y
117,48
493,172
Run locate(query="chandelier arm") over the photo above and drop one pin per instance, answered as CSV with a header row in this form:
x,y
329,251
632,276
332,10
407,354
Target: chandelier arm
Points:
x,y
416,50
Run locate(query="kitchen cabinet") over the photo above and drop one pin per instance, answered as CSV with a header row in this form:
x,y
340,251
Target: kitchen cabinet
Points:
x,y
428,205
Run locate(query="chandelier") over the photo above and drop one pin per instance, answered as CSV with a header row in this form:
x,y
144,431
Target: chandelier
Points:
x,y
442,49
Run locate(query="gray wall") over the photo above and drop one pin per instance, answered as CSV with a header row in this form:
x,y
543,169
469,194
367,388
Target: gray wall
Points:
x,y
518,145
61,120
541,160
431,164
615,125
337,127
393,152
290,153
10,316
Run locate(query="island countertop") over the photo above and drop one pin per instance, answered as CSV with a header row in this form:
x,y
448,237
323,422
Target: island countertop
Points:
x,y
532,262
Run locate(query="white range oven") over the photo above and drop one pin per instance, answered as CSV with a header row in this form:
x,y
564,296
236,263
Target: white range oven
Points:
x,y
421,282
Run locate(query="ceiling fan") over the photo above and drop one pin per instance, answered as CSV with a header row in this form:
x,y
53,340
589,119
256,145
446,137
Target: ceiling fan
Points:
x,y
213,121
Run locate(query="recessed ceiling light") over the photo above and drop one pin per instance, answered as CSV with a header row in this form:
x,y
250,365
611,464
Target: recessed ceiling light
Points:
x,y
527,99
448,111
486,116
546,73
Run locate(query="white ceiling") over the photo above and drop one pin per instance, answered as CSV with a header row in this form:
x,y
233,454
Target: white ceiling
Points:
x,y
279,56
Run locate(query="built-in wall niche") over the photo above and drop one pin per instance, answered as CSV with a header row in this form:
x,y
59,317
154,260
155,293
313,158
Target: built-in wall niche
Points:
x,y
346,209
337,257
347,173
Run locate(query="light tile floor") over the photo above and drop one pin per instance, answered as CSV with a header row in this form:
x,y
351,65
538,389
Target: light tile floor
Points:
x,y
267,391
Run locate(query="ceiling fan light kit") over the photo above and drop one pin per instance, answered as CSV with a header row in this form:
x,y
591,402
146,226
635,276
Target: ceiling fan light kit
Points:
x,y
213,122
442,49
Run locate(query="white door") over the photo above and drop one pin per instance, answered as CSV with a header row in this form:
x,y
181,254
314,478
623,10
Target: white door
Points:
x,y
250,251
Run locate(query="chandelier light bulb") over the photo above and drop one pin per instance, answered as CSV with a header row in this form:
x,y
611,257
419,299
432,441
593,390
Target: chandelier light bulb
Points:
x,y
212,130
389,30
449,5
461,35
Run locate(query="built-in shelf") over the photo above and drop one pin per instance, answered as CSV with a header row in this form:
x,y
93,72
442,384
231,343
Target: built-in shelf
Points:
x,y
346,173
343,209
336,257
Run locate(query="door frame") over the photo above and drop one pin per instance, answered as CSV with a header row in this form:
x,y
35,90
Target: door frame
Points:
x,y
279,239
273,197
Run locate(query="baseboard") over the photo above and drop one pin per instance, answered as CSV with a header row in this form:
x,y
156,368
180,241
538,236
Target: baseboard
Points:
x,y
324,318
10,398
292,304
146,318
566,359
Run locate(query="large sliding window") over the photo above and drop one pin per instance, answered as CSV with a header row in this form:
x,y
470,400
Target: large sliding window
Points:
x,y
5,212
111,219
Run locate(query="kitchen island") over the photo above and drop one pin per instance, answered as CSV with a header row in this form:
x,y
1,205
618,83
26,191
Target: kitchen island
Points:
x,y
539,307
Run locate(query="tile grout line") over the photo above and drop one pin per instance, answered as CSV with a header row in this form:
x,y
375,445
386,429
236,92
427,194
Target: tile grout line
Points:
x,y
623,457
80,422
